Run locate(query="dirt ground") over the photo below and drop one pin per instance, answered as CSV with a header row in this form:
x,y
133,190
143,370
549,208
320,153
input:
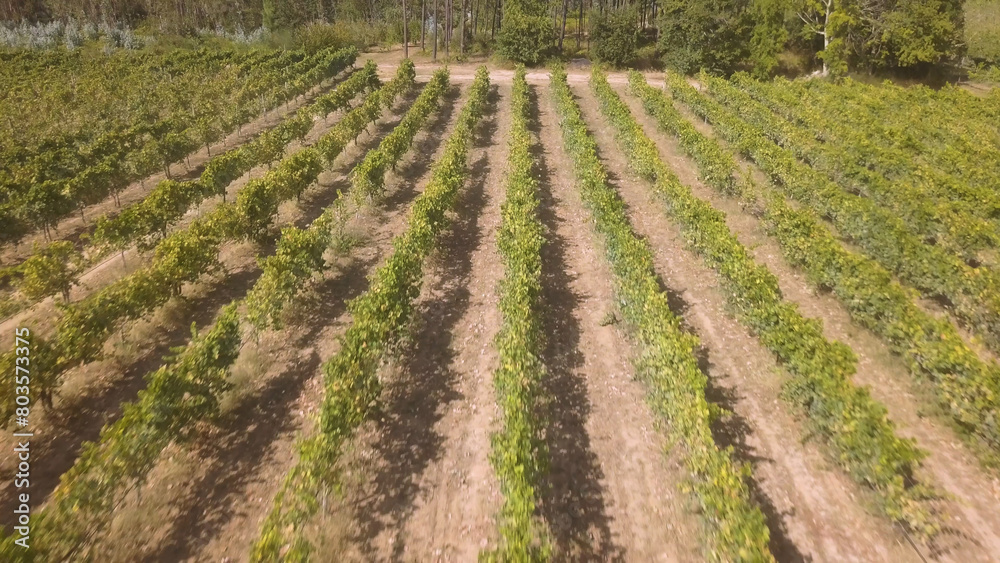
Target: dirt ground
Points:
x,y
970,516
91,395
418,484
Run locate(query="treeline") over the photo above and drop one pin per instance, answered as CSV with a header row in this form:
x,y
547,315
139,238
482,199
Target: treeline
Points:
x,y
187,15
721,36
727,35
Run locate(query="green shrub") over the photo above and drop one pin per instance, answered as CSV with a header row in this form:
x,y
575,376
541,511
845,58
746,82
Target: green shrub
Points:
x,y
527,33
713,35
615,36
317,36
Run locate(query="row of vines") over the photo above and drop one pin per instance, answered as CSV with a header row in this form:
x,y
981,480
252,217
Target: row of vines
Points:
x,y
855,425
189,388
736,526
974,292
931,348
518,453
379,317
53,182
188,254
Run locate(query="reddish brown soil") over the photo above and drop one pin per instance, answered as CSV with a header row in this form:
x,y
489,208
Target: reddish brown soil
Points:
x,y
812,507
92,394
418,482
970,517
429,493
614,495
240,478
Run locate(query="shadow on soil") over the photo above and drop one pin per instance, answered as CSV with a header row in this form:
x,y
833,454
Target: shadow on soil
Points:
x,y
245,437
572,502
82,417
732,429
237,455
407,441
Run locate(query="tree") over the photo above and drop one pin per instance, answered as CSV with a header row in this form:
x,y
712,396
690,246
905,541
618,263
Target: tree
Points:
x,y
54,269
615,35
830,20
911,33
769,35
709,34
526,31
283,14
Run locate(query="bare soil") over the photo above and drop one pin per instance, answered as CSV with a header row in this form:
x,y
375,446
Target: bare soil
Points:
x,y
613,495
92,395
812,508
418,485
216,495
428,492
968,510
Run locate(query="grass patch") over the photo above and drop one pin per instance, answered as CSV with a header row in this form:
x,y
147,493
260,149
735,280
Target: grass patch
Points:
x,y
982,29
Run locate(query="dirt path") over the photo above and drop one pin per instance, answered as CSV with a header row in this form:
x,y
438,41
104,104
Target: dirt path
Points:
x,y
217,495
613,494
92,394
577,72
42,316
973,520
72,227
452,514
426,490
813,509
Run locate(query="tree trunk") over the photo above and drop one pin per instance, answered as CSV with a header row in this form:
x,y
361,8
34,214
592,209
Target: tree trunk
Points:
x,y
826,36
562,34
423,22
475,17
496,18
656,28
579,27
435,16
447,29
462,28
406,37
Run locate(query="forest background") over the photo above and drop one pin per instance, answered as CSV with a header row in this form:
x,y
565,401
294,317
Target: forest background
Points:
x,y
902,38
